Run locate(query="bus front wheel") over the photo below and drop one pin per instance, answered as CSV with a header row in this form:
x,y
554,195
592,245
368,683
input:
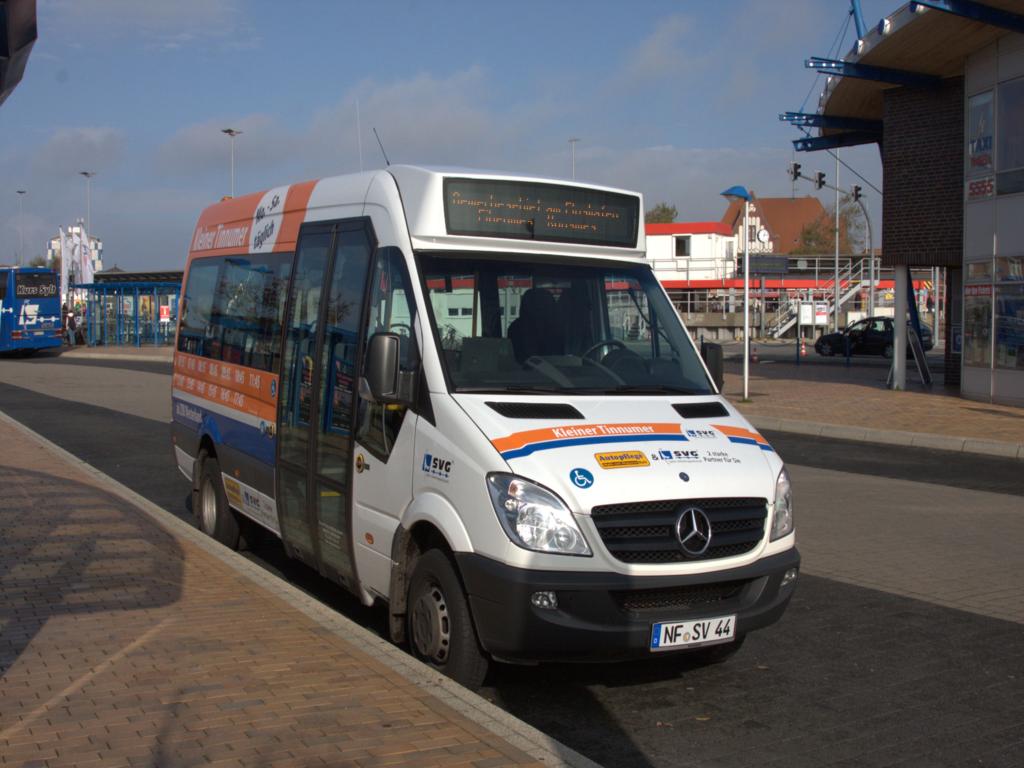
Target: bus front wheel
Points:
x,y
441,630
213,515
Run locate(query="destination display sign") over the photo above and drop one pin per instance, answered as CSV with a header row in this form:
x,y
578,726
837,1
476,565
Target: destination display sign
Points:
x,y
35,285
527,210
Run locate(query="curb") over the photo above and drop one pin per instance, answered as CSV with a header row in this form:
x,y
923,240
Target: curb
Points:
x,y
473,707
115,356
950,443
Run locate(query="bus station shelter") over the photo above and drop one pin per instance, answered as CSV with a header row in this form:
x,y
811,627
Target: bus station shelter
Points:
x,y
131,308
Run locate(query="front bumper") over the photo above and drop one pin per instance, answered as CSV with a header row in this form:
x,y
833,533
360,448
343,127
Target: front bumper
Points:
x,y
608,616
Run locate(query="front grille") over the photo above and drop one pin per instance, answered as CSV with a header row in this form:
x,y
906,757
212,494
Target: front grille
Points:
x,y
645,532
678,598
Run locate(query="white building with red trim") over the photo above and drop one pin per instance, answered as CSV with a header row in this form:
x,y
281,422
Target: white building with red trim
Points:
x,y
683,252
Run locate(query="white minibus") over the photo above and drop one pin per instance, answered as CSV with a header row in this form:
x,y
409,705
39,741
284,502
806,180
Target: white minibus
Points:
x,y
464,395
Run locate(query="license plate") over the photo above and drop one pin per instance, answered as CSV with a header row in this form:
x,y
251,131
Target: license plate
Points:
x,y
666,635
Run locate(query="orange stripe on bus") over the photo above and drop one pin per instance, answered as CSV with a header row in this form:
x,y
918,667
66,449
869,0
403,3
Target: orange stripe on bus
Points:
x,y
295,206
251,382
570,432
739,432
225,397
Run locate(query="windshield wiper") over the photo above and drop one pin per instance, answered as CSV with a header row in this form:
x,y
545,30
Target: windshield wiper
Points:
x,y
543,388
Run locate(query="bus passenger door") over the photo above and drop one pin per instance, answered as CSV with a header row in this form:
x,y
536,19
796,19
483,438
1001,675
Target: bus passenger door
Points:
x,y
385,434
318,392
5,309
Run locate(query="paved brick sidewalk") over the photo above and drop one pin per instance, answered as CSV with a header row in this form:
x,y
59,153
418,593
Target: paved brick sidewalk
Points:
x,y
857,399
123,643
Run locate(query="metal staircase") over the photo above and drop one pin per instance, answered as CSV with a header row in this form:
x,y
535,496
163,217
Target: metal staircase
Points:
x,y
852,279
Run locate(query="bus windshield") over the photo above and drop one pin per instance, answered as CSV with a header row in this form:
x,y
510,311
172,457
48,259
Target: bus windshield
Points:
x,y
566,326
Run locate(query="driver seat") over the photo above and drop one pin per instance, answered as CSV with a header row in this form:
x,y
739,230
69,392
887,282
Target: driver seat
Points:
x,y
537,330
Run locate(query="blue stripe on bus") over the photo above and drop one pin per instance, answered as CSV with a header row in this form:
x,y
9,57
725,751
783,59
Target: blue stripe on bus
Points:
x,y
750,441
225,430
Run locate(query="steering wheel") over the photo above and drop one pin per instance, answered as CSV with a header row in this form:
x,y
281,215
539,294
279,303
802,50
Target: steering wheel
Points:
x,y
605,343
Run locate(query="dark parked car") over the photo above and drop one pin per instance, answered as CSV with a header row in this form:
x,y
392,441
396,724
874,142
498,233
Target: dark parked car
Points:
x,y
870,336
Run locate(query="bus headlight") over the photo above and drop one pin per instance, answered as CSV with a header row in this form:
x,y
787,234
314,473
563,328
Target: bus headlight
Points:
x,y
534,518
782,524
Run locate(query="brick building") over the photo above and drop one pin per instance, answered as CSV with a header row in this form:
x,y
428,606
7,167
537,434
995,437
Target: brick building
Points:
x,y
939,86
782,219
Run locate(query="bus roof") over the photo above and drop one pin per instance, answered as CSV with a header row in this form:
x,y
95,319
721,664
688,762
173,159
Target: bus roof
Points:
x,y
592,215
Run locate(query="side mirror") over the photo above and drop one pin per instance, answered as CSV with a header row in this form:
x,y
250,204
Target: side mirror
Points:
x,y
384,381
713,358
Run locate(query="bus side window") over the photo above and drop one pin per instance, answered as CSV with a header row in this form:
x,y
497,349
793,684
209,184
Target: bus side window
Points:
x,y
391,311
197,317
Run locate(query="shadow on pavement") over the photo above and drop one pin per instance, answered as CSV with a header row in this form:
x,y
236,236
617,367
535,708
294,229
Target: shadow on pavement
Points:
x,y
69,549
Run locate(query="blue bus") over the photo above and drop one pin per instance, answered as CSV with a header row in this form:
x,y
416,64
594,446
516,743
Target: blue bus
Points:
x,y
29,309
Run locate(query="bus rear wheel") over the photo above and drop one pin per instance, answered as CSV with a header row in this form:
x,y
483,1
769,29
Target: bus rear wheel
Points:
x,y
441,631
213,514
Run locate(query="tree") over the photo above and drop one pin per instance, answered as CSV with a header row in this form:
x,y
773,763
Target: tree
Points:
x,y
662,213
37,261
819,237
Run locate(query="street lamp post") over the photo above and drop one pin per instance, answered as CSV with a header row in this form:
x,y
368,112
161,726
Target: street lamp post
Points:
x,y
88,198
231,132
838,293
21,224
572,146
741,193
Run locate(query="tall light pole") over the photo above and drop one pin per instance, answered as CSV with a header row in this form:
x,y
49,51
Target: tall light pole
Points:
x,y
88,198
572,146
838,293
231,132
21,224
741,193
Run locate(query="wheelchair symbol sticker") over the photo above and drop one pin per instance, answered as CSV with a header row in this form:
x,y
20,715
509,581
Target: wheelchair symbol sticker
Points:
x,y
581,478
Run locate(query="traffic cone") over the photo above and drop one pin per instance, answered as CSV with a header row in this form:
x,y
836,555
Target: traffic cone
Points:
x,y
803,348
753,354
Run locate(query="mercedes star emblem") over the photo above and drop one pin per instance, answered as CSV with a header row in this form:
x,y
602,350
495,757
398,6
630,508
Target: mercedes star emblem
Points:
x,y
693,529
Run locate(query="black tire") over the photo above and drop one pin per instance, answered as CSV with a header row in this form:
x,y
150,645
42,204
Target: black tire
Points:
x,y
887,351
826,349
210,506
440,627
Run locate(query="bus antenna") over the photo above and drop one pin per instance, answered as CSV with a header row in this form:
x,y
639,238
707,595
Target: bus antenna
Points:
x,y
381,144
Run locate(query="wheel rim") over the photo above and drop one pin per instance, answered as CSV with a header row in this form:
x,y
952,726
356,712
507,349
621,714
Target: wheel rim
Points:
x,y
431,625
208,506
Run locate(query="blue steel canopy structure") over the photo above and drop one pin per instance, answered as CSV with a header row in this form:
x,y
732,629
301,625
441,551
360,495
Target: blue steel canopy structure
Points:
x,y
131,308
918,45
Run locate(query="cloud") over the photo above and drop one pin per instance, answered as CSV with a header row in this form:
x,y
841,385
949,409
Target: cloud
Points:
x,y
162,25
425,119
689,178
70,150
662,54
202,149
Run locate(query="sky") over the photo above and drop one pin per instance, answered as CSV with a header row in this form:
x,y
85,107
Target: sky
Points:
x,y
677,100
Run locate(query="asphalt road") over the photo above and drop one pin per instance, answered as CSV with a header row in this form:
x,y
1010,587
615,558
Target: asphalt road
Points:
x,y
891,653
